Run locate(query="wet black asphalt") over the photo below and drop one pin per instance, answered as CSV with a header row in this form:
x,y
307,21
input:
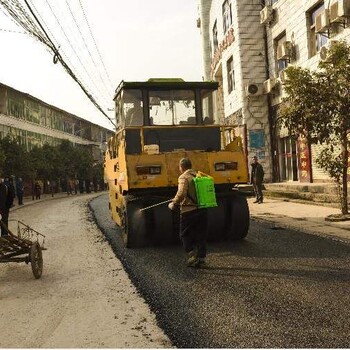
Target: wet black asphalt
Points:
x,y
278,288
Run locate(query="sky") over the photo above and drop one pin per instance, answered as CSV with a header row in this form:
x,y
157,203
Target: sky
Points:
x,y
106,42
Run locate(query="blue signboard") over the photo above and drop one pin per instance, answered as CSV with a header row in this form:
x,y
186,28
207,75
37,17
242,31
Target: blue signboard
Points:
x,y
256,139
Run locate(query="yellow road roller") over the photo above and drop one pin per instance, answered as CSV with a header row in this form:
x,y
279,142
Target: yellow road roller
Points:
x,y
158,122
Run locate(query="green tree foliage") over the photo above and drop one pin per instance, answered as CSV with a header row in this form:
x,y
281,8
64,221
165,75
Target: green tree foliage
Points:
x,y
2,160
318,105
60,163
13,157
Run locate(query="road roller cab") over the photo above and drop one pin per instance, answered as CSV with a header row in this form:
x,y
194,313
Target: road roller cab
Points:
x,y
159,122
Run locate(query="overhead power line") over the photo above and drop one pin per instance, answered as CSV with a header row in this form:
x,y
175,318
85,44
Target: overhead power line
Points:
x,y
86,46
98,51
36,29
54,40
73,48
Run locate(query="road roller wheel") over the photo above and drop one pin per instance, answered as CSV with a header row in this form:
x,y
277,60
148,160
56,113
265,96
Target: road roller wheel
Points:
x,y
133,224
238,214
36,260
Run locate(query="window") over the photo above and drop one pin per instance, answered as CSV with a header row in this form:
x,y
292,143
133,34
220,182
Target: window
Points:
x,y
215,37
226,15
173,107
281,64
230,75
207,106
316,40
132,108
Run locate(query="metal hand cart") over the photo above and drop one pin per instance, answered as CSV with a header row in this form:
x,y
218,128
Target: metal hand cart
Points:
x,y
25,246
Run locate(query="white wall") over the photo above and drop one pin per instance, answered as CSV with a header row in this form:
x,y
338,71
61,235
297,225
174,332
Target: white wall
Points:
x,y
248,52
292,17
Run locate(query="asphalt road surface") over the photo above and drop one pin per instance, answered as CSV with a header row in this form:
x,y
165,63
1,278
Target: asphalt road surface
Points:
x,y
278,288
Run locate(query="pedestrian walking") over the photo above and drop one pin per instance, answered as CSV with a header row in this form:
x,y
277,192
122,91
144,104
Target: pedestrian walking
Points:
x,y
257,178
11,190
193,221
7,196
20,190
69,187
37,190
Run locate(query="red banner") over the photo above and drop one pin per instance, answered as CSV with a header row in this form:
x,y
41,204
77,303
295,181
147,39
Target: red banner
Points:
x,y
304,160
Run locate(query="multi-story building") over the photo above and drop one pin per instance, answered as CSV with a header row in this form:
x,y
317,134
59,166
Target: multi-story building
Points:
x,y
298,33
34,123
247,44
234,55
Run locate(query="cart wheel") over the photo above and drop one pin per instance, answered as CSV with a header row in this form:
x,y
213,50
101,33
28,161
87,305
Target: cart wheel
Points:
x,y
36,259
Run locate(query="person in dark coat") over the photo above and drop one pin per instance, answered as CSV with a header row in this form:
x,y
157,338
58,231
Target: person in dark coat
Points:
x,y
6,201
20,190
37,190
257,178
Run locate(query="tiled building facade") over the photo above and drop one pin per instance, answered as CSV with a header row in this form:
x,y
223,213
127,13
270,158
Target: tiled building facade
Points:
x,y
264,38
34,123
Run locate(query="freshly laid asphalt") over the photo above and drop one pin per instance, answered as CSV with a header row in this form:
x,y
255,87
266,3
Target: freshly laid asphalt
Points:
x,y
286,285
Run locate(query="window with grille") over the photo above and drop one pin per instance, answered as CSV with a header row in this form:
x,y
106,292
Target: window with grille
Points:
x,y
230,75
316,40
227,15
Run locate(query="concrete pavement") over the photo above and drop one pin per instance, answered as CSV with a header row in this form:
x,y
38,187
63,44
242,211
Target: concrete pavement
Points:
x,y
307,217
47,196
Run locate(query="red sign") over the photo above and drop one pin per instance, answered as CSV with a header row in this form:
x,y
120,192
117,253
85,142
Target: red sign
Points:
x,y
304,160
225,43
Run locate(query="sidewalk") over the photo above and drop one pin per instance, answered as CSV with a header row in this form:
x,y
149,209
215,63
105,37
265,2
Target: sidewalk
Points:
x,y
47,196
308,218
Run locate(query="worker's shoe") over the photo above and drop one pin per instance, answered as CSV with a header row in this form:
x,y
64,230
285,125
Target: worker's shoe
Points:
x,y
201,262
192,260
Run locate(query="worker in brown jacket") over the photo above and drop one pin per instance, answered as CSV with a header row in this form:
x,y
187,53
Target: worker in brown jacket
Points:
x,y
193,221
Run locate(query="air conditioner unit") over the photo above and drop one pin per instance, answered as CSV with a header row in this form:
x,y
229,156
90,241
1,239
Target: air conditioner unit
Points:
x,y
322,22
324,49
266,15
254,89
282,76
339,10
285,50
269,84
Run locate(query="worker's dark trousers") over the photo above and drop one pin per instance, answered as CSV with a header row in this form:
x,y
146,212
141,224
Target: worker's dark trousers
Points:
x,y
5,220
258,191
193,231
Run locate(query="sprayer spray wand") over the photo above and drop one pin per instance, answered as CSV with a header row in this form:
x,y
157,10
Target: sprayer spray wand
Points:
x,y
156,205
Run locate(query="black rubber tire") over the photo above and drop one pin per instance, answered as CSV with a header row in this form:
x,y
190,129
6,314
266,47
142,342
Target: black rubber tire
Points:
x,y
135,232
36,260
239,218
216,221
163,230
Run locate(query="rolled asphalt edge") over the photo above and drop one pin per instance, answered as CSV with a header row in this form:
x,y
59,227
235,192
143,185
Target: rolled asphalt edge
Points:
x,y
280,212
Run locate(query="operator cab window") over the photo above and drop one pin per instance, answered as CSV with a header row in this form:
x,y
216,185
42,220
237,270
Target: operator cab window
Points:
x,y
132,108
207,106
172,107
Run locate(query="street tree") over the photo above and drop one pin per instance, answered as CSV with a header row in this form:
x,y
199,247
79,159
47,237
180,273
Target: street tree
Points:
x,y
13,157
83,162
2,160
318,106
